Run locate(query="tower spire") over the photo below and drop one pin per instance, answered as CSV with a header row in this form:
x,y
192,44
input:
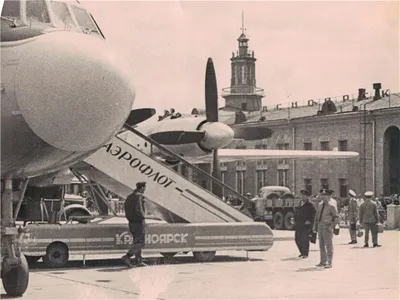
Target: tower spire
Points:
x,y
243,29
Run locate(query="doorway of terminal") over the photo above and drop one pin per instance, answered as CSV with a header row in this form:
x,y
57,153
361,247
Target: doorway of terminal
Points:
x,y
391,159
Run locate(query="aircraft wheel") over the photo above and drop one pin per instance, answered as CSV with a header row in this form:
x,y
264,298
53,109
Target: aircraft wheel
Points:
x,y
56,255
32,259
204,256
168,254
288,224
278,220
15,281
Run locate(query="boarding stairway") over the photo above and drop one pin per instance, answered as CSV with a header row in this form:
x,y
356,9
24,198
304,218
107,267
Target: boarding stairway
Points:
x,y
118,166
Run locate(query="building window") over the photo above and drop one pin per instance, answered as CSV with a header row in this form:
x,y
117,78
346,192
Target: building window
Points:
x,y
261,179
308,185
343,187
325,146
282,146
307,146
283,177
325,183
240,181
343,145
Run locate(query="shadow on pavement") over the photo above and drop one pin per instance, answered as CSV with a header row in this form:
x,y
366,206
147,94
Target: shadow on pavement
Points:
x,y
5,296
103,264
291,259
313,269
361,247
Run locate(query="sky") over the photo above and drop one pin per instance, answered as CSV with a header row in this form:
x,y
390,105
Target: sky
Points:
x,y
304,49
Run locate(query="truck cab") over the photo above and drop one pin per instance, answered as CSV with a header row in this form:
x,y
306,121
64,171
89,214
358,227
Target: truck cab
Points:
x,y
50,203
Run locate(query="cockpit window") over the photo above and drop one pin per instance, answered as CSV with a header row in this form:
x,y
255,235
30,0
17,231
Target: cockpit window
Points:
x,y
11,9
62,16
84,20
36,10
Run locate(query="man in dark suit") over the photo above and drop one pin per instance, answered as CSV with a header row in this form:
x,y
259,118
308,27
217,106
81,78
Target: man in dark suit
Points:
x,y
135,213
304,219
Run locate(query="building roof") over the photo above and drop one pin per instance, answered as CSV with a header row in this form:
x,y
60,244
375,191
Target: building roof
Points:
x,y
227,114
243,37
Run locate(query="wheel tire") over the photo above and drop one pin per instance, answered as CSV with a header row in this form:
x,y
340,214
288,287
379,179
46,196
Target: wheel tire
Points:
x,y
204,256
288,224
15,281
56,255
168,254
32,259
270,223
278,220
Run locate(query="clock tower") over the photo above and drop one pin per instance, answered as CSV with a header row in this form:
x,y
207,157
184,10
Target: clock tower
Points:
x,y
243,94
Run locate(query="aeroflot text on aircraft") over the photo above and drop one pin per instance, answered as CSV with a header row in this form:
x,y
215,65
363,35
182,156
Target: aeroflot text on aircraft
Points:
x,y
136,163
178,238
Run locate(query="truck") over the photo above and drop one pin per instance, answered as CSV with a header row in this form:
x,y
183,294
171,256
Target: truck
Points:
x,y
50,203
274,205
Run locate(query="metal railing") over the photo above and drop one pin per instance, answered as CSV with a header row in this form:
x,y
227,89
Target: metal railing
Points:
x,y
245,90
246,204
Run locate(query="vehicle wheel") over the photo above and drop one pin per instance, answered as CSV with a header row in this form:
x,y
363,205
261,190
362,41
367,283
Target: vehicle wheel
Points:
x,y
278,220
56,255
32,259
168,254
204,256
15,281
270,223
288,216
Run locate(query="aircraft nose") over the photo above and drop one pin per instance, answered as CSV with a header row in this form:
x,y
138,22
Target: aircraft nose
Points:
x,y
217,135
71,91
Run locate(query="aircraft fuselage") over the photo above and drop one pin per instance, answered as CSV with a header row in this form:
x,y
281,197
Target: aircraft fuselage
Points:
x,y
63,97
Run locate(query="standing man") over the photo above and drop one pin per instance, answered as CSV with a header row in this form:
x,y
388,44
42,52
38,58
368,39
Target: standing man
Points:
x,y
325,221
135,213
304,218
353,217
369,218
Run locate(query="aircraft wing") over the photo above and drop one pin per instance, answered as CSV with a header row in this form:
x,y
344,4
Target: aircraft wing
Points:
x,y
226,155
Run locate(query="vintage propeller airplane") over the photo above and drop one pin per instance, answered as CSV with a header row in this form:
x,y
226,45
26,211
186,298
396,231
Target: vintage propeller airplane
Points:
x,y
201,139
63,96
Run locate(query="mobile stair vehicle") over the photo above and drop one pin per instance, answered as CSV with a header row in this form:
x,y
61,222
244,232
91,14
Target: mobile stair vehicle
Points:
x,y
192,219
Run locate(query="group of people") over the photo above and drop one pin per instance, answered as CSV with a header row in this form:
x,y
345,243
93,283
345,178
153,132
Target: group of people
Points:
x,y
323,222
171,113
310,222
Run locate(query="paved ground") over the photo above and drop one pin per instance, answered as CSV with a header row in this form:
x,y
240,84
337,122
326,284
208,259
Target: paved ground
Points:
x,y
357,273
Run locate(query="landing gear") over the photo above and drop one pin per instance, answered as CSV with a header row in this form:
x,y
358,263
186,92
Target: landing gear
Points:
x,y
14,266
16,279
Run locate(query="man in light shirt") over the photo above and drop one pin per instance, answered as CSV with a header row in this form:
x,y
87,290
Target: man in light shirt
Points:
x,y
369,219
325,221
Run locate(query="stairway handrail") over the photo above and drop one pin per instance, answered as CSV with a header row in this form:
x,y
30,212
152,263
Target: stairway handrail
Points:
x,y
245,200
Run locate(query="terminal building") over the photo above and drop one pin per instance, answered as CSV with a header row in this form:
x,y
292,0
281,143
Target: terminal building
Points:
x,y
367,122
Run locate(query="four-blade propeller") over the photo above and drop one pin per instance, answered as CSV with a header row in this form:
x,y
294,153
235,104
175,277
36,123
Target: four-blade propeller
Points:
x,y
211,112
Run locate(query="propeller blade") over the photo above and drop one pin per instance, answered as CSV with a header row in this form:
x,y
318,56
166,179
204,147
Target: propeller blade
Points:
x,y
216,172
139,115
252,133
211,93
177,137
